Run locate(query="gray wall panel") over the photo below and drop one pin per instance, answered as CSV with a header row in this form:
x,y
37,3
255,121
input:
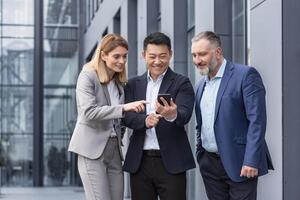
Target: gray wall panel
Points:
x,y
131,26
266,56
180,36
291,99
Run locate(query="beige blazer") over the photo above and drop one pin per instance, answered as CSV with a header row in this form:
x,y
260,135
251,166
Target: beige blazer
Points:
x,y
96,116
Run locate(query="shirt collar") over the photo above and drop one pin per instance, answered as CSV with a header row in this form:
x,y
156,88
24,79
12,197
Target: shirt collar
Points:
x,y
159,77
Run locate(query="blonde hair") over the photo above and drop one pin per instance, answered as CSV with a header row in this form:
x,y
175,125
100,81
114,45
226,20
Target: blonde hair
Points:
x,y
108,43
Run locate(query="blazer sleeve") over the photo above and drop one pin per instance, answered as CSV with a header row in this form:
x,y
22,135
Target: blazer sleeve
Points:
x,y
133,120
255,106
86,100
185,102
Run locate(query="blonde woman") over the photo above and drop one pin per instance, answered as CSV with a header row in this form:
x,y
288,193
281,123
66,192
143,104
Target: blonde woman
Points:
x,y
97,134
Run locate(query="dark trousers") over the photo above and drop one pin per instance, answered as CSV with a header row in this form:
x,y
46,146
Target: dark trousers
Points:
x,y
219,186
152,180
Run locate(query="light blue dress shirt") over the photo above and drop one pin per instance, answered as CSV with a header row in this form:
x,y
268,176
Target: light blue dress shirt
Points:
x,y
208,106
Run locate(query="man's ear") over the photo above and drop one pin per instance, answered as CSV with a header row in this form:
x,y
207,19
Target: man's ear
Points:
x,y
171,53
219,52
144,54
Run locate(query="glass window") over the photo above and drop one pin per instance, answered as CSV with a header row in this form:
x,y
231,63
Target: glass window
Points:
x,y
59,122
239,32
17,61
60,75
16,128
17,12
230,24
60,72
60,11
16,89
10,31
16,92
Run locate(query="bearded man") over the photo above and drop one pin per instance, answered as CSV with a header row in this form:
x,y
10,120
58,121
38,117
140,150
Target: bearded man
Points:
x,y
231,123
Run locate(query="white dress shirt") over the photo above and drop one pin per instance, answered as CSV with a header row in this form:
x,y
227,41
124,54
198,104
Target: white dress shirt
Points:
x,y
153,86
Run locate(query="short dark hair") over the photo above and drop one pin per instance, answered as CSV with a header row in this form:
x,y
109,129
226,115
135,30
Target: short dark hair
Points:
x,y
212,37
157,38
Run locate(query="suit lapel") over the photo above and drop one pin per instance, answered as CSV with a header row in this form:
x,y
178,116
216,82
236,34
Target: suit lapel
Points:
x,y
199,92
224,82
141,88
166,82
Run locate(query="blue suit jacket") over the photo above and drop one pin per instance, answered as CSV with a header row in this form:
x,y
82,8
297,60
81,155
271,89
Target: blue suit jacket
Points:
x,y
240,121
174,146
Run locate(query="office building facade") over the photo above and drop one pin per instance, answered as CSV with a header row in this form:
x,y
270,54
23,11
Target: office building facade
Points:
x,y
39,69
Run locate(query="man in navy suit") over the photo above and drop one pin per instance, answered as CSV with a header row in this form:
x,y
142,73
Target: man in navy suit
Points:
x,y
159,153
231,123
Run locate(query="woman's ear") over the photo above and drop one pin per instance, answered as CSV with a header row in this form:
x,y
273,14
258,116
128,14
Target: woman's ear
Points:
x,y
103,56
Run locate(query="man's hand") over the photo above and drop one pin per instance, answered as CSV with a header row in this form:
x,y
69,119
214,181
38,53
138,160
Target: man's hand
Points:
x,y
152,119
249,172
169,112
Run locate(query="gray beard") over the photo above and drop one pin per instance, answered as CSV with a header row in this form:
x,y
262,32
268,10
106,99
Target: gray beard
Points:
x,y
204,71
212,66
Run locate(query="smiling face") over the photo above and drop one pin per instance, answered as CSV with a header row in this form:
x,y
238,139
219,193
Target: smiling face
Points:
x,y
206,57
116,59
157,59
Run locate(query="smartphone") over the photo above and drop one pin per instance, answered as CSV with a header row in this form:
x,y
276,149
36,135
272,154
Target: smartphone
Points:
x,y
167,97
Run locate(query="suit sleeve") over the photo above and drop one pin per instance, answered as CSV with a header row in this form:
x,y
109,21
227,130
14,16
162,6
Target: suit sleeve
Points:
x,y
185,102
86,100
255,106
133,120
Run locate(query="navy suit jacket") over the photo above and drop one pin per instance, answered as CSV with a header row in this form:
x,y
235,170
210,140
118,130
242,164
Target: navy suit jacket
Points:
x,y
240,121
174,146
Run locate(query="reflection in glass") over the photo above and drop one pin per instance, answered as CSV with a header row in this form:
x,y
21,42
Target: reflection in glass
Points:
x,y
16,89
60,74
60,12
17,11
59,122
16,135
16,93
17,61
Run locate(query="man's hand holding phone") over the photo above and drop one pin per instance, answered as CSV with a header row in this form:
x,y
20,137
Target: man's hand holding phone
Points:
x,y
166,107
